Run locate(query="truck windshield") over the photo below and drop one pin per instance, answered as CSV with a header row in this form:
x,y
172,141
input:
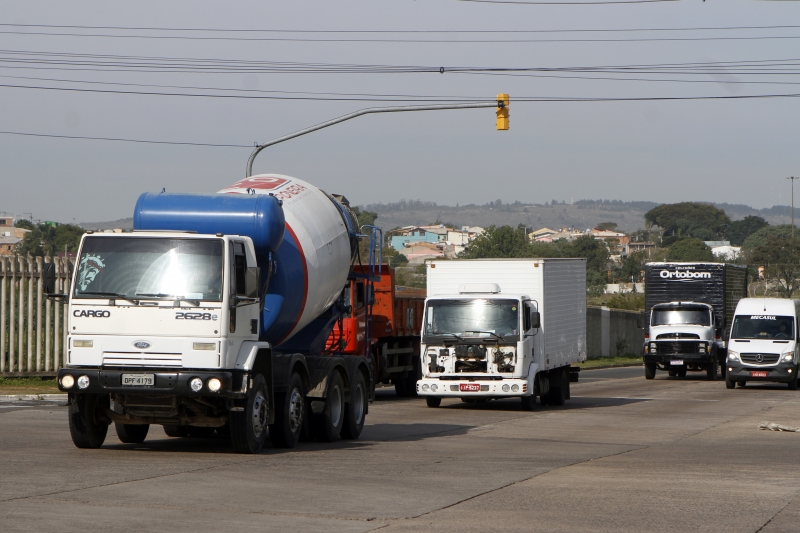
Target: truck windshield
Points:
x,y
131,266
472,318
669,317
763,327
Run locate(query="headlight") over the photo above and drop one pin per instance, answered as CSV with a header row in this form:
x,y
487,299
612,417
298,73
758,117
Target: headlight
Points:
x,y
652,347
702,346
733,356
787,357
196,384
506,388
425,388
434,387
214,384
67,381
83,382
82,344
514,388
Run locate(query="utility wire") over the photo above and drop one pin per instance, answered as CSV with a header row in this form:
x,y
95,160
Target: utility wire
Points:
x,y
124,140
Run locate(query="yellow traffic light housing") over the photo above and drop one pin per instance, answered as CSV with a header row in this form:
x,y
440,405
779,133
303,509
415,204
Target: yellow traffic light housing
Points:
x,y
502,112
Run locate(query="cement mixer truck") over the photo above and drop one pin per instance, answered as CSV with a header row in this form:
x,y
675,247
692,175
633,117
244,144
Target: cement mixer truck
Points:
x,y
217,314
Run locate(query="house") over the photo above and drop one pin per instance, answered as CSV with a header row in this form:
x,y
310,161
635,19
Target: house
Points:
x,y
633,247
8,244
408,235
417,253
727,252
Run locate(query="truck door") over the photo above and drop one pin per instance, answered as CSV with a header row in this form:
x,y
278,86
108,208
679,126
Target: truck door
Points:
x,y
528,341
244,317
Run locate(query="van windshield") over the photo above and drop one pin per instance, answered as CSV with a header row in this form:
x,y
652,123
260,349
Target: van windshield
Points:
x,y
675,316
763,327
472,318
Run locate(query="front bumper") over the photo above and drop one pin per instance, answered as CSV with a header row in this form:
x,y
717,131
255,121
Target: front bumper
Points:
x,y
173,383
687,358
451,388
779,373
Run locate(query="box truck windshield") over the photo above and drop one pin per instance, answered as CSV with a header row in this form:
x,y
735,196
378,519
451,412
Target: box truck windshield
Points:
x,y
763,327
668,317
478,317
138,267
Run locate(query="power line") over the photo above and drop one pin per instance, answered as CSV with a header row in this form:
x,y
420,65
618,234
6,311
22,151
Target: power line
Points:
x,y
124,140
561,3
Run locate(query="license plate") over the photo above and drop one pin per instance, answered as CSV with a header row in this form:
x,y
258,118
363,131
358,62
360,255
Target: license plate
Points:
x,y
470,387
138,380
758,374
676,362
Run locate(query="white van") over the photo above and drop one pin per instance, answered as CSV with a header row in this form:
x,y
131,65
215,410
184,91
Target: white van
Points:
x,y
763,342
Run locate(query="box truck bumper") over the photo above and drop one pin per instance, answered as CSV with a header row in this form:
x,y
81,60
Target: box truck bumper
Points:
x,y
780,373
489,388
686,358
177,383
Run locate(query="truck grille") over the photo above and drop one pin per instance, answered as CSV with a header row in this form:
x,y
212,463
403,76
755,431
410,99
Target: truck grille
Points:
x,y
677,347
766,358
142,359
678,336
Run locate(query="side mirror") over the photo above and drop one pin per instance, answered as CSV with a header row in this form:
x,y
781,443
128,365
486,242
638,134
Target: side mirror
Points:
x,y
535,320
49,278
252,281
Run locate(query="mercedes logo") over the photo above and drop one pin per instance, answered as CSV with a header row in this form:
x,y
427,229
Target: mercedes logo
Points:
x,y
142,345
759,358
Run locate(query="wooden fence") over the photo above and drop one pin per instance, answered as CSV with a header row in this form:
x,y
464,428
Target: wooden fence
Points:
x,y
33,329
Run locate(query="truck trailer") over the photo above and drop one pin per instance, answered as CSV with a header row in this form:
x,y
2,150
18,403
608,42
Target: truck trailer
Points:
x,y
503,328
216,313
688,313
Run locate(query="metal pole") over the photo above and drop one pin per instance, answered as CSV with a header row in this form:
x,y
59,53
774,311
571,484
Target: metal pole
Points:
x,y
368,111
792,178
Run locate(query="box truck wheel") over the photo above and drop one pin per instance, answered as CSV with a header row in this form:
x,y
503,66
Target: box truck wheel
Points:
x,y
729,383
711,371
85,426
793,382
131,433
529,402
433,401
400,386
355,409
174,430
289,415
649,370
559,381
249,427
328,422
682,372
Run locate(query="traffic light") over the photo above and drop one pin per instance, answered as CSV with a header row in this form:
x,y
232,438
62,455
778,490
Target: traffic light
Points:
x,y
502,112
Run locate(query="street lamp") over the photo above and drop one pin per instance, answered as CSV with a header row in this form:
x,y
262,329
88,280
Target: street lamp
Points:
x,y
792,178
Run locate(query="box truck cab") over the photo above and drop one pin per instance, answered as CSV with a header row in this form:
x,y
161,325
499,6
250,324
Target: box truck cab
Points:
x,y
763,342
503,328
682,336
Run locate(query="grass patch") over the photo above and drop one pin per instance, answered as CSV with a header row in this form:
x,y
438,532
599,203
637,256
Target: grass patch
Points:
x,y
627,360
28,386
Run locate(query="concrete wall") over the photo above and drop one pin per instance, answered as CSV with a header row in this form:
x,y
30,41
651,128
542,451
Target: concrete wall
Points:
x,y
612,332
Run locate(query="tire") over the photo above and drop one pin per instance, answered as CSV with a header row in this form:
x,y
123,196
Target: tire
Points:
x,y
558,393
84,427
173,430
131,433
528,402
328,423
198,432
742,383
401,386
290,414
249,427
433,401
649,370
711,371
793,383
355,410
729,383
672,373
682,372
411,381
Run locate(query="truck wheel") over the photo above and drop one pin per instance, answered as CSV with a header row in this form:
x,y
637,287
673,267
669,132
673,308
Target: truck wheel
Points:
x,y
131,433
793,382
649,370
558,393
433,401
328,423
682,372
249,427
400,386
174,430
711,371
729,383
672,373
84,427
289,415
355,409
529,402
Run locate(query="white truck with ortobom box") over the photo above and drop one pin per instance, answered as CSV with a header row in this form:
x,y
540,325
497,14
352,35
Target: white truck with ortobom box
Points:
x,y
501,328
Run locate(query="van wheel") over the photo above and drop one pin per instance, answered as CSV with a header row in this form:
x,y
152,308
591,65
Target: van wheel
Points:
x,y
328,423
249,427
433,401
85,428
729,383
131,433
355,411
793,382
558,393
649,370
289,415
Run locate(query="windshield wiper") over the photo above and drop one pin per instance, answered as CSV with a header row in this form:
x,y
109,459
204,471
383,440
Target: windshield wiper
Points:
x,y
112,295
489,332
168,297
450,334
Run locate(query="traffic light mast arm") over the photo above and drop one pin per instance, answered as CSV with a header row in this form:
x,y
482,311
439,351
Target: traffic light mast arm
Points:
x,y
368,111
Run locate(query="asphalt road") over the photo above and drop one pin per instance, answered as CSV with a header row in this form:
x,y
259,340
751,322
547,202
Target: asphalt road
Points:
x,y
624,455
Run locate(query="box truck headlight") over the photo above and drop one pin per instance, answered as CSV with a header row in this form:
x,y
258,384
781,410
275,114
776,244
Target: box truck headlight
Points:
x,y
82,344
506,388
787,357
214,384
514,388
434,387
196,384
426,388
733,356
652,347
83,382
67,381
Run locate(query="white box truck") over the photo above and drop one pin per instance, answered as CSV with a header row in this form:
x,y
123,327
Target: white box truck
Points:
x,y
499,328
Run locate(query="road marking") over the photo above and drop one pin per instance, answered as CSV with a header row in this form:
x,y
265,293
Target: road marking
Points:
x,y
14,406
633,398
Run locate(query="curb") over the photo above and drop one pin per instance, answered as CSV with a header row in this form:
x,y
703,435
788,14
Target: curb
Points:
x,y
611,366
33,397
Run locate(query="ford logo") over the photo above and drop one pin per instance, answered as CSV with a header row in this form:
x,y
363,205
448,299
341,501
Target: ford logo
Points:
x,y
142,345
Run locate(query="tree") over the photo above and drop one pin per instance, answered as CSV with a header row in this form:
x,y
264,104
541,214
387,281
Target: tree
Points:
x,y
24,224
760,237
780,257
47,240
690,249
495,242
739,230
632,266
607,226
365,218
688,219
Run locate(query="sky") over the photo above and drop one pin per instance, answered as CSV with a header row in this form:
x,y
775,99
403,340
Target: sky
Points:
x,y
722,150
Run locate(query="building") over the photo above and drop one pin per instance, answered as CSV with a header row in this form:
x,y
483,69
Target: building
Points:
x,y
727,252
633,247
438,235
8,244
417,253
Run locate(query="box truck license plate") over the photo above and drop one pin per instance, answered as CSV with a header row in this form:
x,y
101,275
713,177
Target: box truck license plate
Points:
x,y
470,387
758,374
676,362
138,380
